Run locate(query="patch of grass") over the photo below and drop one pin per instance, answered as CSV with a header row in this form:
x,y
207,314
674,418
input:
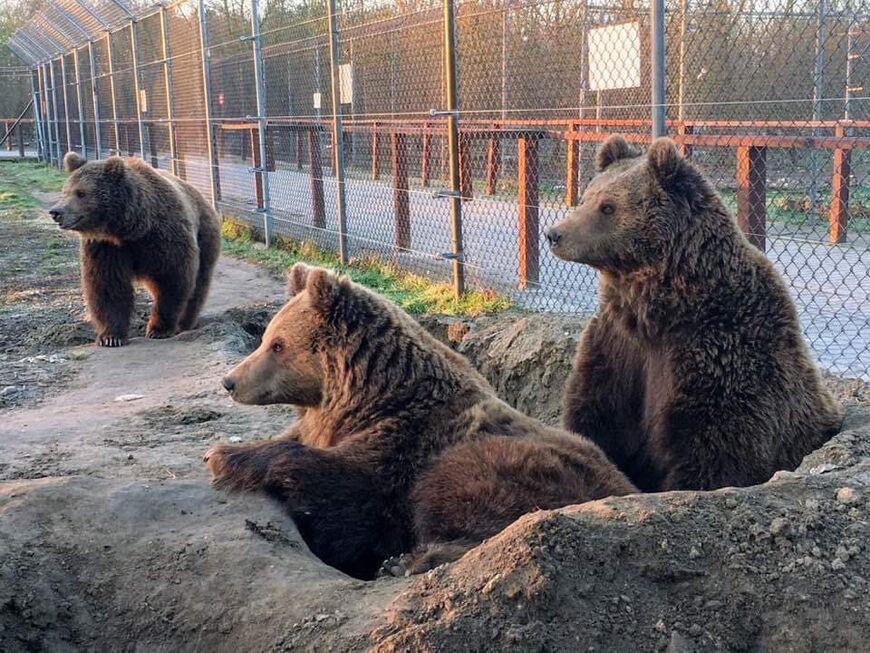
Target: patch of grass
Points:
x,y
20,179
413,292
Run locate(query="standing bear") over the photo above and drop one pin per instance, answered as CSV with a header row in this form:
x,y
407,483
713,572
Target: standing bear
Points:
x,y
400,443
693,373
138,224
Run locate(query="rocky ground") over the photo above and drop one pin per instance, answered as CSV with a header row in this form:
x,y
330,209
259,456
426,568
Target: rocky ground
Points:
x,y
112,539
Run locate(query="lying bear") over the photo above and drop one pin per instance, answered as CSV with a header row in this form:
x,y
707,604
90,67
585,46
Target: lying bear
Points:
x,y
138,224
693,373
400,443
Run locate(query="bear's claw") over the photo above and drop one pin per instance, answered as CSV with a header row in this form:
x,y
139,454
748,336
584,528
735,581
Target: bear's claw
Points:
x,y
159,334
111,341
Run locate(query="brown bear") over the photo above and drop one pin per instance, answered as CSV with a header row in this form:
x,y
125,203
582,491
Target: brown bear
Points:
x,y
693,373
399,442
138,224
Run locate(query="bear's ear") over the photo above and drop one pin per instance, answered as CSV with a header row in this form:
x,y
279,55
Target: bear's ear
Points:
x,y
115,167
297,279
664,160
614,149
73,161
325,290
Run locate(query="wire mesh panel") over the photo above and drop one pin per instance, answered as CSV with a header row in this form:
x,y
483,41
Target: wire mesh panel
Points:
x,y
772,105
188,95
152,91
390,72
233,103
15,98
298,107
108,87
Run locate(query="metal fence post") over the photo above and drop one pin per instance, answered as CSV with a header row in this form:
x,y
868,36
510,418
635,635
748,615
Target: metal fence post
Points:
x,y
657,59
65,102
98,137
37,118
111,58
337,135
46,149
684,25
818,91
452,109
260,83
134,50
167,81
54,113
43,106
205,55
79,102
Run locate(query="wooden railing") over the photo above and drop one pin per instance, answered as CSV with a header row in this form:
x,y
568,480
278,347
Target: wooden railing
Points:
x,y
18,137
750,150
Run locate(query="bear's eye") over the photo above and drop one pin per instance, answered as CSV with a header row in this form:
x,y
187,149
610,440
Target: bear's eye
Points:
x,y
277,347
607,208
80,193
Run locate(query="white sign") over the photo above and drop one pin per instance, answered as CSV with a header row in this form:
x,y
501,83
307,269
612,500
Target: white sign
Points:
x,y
317,101
614,57
345,78
143,101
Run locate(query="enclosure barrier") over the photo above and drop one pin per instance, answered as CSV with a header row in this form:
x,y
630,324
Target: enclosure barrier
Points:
x,y
447,137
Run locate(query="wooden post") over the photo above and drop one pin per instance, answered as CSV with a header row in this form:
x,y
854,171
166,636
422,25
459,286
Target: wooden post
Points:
x,y
152,148
572,167
425,156
253,137
685,130
401,200
129,138
318,208
298,148
838,217
21,141
527,173
376,167
8,140
180,165
270,150
493,162
752,193
465,181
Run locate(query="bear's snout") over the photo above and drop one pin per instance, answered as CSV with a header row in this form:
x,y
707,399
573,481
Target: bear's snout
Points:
x,y
229,383
553,236
56,214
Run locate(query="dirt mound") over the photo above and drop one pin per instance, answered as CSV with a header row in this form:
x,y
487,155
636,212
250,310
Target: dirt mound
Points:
x,y
782,566
95,564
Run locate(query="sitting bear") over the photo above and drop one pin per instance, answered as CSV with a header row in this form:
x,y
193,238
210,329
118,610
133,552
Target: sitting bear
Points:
x,y
138,224
399,442
693,373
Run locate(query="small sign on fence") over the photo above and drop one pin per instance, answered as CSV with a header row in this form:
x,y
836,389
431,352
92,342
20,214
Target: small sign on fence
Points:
x,y
614,57
345,77
143,101
317,101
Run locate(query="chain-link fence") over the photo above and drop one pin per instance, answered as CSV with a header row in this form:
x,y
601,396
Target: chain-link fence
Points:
x,y
16,117
237,96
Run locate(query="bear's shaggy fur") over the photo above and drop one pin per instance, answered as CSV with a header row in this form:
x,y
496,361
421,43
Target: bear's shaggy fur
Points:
x,y
400,442
138,224
693,373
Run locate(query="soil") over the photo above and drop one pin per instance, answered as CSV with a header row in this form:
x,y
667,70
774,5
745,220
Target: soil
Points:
x,y
112,539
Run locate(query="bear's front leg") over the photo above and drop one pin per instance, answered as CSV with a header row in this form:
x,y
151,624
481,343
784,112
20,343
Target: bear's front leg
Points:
x,y
246,467
604,400
350,515
107,282
170,295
